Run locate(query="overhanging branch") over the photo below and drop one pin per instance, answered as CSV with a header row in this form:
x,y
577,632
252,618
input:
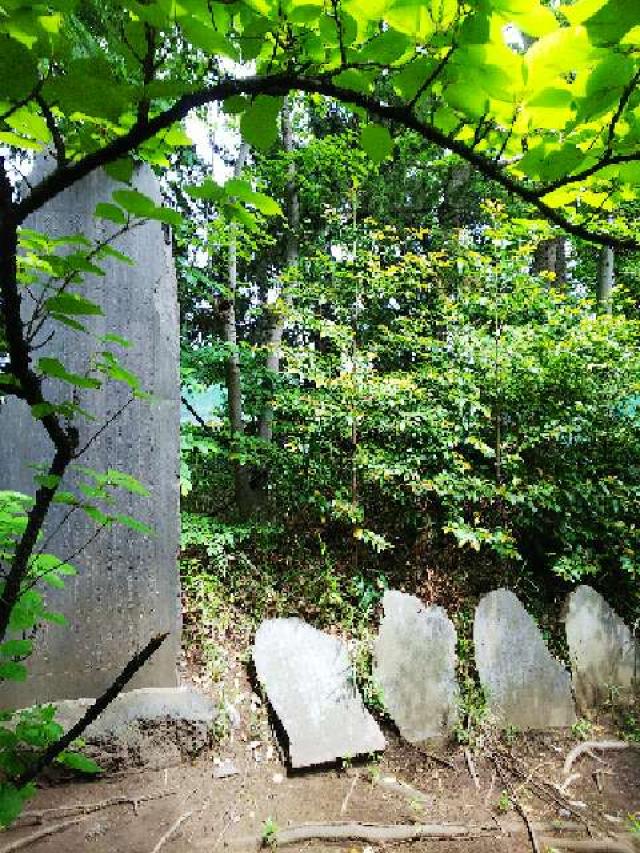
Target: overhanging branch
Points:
x,y
282,84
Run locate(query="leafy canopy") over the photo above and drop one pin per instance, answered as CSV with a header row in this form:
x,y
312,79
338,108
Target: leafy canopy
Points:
x,y
542,100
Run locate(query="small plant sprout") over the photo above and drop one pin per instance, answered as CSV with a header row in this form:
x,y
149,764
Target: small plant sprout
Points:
x,y
269,835
581,729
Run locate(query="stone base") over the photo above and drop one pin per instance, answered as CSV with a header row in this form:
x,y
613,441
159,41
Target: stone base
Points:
x,y
153,727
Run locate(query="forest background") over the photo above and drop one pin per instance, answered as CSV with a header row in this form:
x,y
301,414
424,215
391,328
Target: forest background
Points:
x,y
402,300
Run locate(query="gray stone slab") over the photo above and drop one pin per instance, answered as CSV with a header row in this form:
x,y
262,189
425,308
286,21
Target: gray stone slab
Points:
x,y
142,705
526,686
127,587
148,727
308,680
603,652
415,661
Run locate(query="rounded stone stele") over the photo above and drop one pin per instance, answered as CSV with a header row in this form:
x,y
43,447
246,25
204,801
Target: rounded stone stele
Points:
x,y
309,681
415,664
603,652
526,685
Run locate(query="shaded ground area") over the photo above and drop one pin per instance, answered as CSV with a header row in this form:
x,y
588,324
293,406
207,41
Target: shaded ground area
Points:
x,y
233,812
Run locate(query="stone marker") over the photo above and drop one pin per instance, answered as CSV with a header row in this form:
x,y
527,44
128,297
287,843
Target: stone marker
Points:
x,y
126,590
415,659
526,686
151,727
602,650
308,679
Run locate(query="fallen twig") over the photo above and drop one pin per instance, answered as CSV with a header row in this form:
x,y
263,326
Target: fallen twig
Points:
x,y
349,793
33,818
535,845
591,845
26,842
378,832
567,783
438,759
545,790
395,786
472,768
171,831
589,745
487,796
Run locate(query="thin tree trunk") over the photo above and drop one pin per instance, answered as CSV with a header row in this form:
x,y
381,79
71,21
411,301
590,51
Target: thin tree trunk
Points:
x,y
606,279
243,491
452,207
274,339
550,256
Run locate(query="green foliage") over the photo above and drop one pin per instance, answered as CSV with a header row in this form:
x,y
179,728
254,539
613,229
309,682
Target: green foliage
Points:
x,y
581,729
436,395
23,735
269,836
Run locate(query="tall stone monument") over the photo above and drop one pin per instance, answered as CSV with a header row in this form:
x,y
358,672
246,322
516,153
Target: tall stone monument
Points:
x,y
126,589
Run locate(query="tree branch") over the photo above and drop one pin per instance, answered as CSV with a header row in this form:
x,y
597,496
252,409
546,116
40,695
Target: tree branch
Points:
x,y
282,84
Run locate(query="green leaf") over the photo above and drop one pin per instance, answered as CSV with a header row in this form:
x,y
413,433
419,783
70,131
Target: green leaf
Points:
x,y
237,188
125,481
209,190
206,38
133,524
54,368
259,122
77,761
356,80
29,123
18,69
610,23
120,170
376,141
72,303
135,202
385,48
16,648
12,801
13,671
116,339
106,210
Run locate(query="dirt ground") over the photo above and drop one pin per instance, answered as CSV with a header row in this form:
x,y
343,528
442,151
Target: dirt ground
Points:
x,y
226,799
231,812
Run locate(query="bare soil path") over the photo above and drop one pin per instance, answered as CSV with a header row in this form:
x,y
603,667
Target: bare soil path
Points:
x,y
209,813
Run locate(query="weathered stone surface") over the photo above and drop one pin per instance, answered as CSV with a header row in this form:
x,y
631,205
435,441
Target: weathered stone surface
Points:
x,y
150,727
127,588
144,704
527,687
601,647
308,679
415,659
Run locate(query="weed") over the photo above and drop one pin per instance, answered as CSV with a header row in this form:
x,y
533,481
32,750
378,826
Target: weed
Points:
x,y
631,727
581,729
510,734
504,803
473,714
269,836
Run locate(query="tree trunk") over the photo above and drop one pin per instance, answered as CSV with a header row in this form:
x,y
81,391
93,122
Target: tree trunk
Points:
x,y
606,279
274,338
451,212
550,256
243,491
